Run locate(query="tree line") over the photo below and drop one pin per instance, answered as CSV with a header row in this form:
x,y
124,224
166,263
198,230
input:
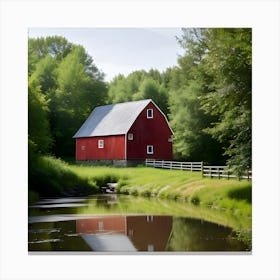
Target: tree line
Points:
x,y
207,97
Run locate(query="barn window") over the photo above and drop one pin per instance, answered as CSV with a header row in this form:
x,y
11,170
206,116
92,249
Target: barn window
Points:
x,y
150,113
130,136
100,225
83,148
150,219
150,149
150,248
101,144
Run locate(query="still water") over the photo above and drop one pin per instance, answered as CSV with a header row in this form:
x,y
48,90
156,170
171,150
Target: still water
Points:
x,y
119,223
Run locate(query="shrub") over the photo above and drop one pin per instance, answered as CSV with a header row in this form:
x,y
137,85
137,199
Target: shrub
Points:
x,y
244,193
146,193
51,177
195,200
134,192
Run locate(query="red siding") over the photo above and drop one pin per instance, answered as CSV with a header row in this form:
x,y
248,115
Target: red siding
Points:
x,y
143,232
102,224
155,132
87,148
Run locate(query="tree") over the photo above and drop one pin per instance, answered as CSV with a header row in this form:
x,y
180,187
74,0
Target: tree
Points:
x,y
151,89
213,84
69,82
139,85
187,85
230,63
44,74
78,91
38,125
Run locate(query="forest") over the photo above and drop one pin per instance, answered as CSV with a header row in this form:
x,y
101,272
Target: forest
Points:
x,y
207,97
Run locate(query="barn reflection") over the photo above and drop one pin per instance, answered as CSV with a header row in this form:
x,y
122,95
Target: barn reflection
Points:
x,y
126,233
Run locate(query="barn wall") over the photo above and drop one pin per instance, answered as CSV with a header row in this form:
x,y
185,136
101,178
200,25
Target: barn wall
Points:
x,y
102,224
149,230
154,132
87,148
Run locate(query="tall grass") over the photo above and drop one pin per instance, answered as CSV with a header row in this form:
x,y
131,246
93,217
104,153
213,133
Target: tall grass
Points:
x,y
53,177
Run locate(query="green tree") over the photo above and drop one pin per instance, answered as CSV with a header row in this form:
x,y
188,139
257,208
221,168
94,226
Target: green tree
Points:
x,y
213,84
139,85
151,89
71,84
187,84
80,89
38,125
44,74
229,60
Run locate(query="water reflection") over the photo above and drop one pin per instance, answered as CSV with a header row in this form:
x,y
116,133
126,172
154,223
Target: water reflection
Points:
x,y
97,224
126,233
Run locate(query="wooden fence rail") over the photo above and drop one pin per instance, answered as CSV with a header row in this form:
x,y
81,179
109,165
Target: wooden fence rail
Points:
x,y
192,166
224,172
207,171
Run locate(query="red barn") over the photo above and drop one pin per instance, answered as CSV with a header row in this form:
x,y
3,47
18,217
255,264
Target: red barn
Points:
x,y
126,133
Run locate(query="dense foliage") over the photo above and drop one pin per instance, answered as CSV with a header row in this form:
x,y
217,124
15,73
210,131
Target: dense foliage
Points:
x,y
69,83
207,97
211,99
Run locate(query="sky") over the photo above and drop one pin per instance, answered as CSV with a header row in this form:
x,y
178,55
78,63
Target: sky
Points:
x,y
122,50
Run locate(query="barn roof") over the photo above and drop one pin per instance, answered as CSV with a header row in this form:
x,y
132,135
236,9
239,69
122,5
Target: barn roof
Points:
x,y
114,119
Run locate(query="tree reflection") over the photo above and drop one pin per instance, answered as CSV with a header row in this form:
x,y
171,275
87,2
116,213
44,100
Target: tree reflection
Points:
x,y
198,235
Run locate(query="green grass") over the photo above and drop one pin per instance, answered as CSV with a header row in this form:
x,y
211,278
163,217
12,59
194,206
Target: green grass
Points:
x,y
225,195
54,177
49,176
223,201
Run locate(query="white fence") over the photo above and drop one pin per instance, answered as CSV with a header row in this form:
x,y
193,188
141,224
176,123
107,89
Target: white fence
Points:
x,y
207,171
192,166
224,172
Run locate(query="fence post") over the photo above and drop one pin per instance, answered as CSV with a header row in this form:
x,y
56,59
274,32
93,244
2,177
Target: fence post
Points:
x,y
211,172
219,173
202,171
191,166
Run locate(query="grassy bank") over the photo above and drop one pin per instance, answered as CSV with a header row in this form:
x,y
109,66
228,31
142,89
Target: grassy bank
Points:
x,y
223,194
223,201
49,176
230,200
54,178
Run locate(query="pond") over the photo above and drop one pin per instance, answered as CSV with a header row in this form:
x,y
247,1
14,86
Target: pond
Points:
x,y
126,224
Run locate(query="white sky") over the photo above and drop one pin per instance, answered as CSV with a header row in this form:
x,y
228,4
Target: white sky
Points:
x,y
123,50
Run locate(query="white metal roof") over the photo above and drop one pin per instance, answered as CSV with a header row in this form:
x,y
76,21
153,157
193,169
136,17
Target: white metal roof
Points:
x,y
114,119
109,242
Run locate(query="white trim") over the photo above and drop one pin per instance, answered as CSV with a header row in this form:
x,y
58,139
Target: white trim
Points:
x,y
100,143
150,248
125,146
150,116
152,150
